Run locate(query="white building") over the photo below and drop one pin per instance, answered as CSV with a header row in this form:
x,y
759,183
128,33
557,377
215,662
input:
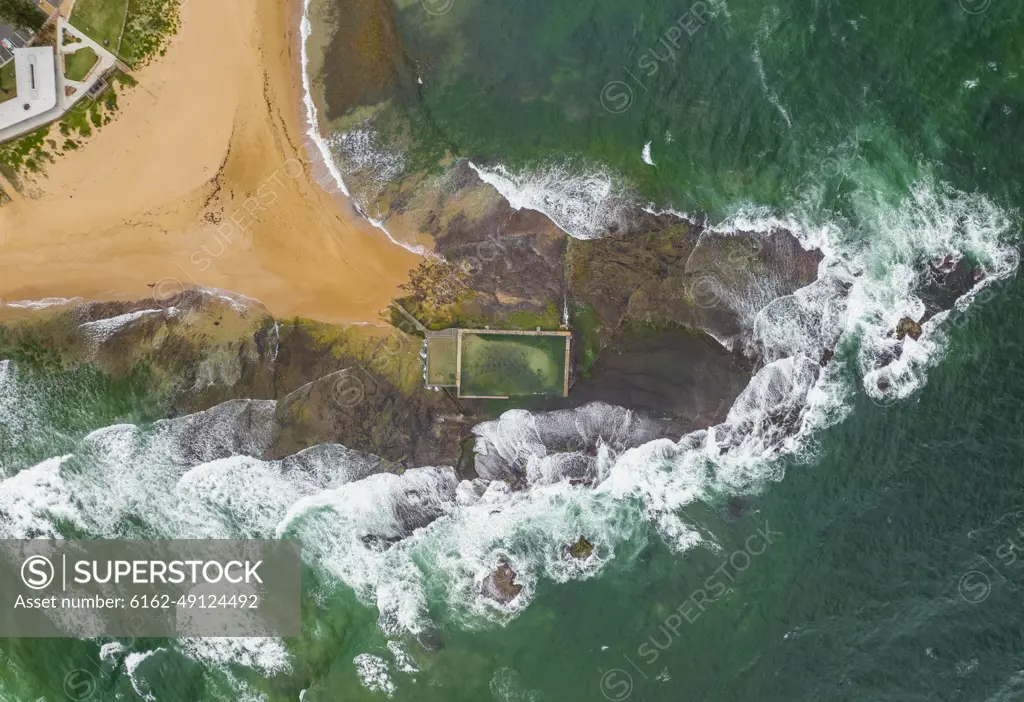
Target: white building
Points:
x,y
35,72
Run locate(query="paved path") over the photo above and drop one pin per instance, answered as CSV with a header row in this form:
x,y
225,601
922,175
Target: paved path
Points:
x,y
65,102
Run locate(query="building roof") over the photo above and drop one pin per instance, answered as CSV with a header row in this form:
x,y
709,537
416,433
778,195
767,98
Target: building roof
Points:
x,y
36,77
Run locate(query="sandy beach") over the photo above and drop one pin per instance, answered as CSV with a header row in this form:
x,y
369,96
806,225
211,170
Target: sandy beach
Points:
x,y
204,179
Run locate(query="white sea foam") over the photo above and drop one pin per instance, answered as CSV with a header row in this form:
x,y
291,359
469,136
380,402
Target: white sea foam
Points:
x,y
42,304
312,114
585,203
322,146
394,539
403,661
110,651
646,155
386,536
362,154
374,674
32,500
269,656
191,477
768,26
14,414
359,533
415,248
864,287
364,158
233,688
131,665
806,322
102,329
507,686
772,96
238,302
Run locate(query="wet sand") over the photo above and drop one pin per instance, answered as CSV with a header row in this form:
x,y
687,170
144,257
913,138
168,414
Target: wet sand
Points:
x,y
204,179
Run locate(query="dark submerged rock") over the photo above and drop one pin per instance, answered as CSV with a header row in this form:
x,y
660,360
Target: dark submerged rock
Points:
x,y
678,273
685,378
943,284
739,506
431,640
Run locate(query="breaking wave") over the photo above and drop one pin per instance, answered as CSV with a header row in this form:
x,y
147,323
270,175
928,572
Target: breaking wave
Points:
x,y
586,203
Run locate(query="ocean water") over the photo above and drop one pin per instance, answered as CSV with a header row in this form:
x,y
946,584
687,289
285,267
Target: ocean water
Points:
x,y
849,533
791,105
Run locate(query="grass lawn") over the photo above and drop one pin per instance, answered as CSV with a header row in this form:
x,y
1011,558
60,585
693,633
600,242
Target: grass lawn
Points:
x,y
101,20
441,360
78,64
7,82
495,365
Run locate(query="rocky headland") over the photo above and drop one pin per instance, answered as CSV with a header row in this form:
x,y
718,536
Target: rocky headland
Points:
x,y
660,313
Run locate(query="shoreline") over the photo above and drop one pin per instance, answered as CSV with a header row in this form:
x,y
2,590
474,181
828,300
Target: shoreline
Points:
x,y
165,198
310,116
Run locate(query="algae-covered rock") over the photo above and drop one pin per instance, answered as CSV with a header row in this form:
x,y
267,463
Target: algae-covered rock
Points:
x,y
908,327
501,585
581,549
490,264
310,383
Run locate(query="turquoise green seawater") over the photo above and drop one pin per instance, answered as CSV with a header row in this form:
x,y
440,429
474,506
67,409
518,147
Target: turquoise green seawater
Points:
x,y
884,565
741,101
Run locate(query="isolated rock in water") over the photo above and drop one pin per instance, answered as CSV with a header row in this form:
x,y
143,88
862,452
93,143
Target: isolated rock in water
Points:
x,y
501,585
908,327
580,550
